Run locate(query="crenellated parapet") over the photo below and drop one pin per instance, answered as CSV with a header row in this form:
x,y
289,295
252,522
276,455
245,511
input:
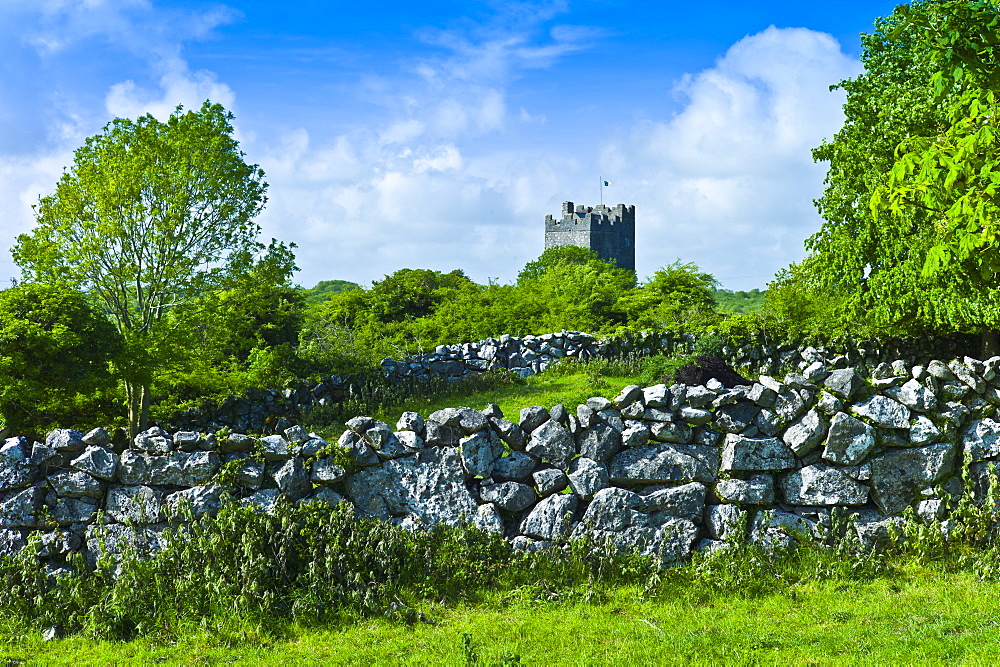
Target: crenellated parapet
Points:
x,y
607,230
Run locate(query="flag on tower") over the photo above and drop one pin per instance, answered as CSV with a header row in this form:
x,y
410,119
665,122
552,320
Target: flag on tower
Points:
x,y
607,183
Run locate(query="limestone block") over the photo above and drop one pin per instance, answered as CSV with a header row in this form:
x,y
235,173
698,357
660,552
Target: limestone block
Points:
x,y
479,451
292,479
508,496
749,454
898,475
635,434
686,501
516,466
981,439
844,383
135,504
805,434
599,442
917,397
19,508
885,412
923,431
551,518
203,500
97,461
65,440
758,490
722,520
657,464
549,481
737,417
488,518
154,441
657,396
76,484
553,443
587,477
678,433
533,417
821,484
510,433
848,441
325,471
428,486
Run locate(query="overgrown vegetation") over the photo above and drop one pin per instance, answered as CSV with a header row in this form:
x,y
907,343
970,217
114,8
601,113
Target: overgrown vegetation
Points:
x,y
251,328
249,574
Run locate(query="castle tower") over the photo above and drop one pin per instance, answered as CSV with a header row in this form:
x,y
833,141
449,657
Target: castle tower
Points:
x,y
608,231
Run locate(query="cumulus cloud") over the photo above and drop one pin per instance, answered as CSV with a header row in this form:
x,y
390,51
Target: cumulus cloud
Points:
x,y
61,83
177,86
728,181
444,171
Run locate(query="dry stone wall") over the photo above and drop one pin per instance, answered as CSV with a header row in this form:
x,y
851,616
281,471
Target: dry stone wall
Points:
x,y
662,470
259,410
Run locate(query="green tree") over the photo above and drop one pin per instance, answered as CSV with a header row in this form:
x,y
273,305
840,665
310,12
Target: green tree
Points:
x,y
557,256
952,176
569,288
728,301
242,334
871,267
55,354
674,294
325,289
143,221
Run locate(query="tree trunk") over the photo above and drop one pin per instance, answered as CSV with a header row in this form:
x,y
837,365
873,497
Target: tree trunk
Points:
x,y
990,343
137,397
144,408
132,400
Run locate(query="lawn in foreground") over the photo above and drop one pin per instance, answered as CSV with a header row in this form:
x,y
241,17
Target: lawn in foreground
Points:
x,y
917,616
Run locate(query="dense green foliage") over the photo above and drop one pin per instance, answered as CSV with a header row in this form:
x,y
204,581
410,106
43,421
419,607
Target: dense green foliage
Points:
x,y
55,358
324,289
738,302
243,333
143,221
414,310
885,193
953,175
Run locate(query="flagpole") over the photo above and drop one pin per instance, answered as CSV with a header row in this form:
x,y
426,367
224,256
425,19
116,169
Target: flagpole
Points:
x,y
600,184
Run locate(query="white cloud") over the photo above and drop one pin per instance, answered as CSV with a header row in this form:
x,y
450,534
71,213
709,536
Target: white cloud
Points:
x,y
728,181
439,174
177,86
44,114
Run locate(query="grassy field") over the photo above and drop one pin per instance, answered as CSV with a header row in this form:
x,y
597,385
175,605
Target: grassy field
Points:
x,y
916,616
569,384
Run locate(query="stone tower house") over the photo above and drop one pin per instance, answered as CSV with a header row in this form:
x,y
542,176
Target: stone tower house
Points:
x,y
610,232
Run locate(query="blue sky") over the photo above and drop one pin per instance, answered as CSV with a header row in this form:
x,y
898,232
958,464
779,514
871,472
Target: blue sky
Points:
x,y
439,134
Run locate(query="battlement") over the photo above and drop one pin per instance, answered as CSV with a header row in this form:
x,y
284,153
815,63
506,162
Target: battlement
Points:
x,y
608,231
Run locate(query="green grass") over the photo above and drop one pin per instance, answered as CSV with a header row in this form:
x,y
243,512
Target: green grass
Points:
x,y
568,383
918,615
545,390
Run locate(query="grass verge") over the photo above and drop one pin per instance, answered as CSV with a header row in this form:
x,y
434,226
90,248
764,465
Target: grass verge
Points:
x,y
917,615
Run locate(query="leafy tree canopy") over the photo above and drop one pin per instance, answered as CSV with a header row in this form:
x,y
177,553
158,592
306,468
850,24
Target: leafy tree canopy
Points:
x,y
324,289
55,355
557,256
674,293
867,265
143,221
952,175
